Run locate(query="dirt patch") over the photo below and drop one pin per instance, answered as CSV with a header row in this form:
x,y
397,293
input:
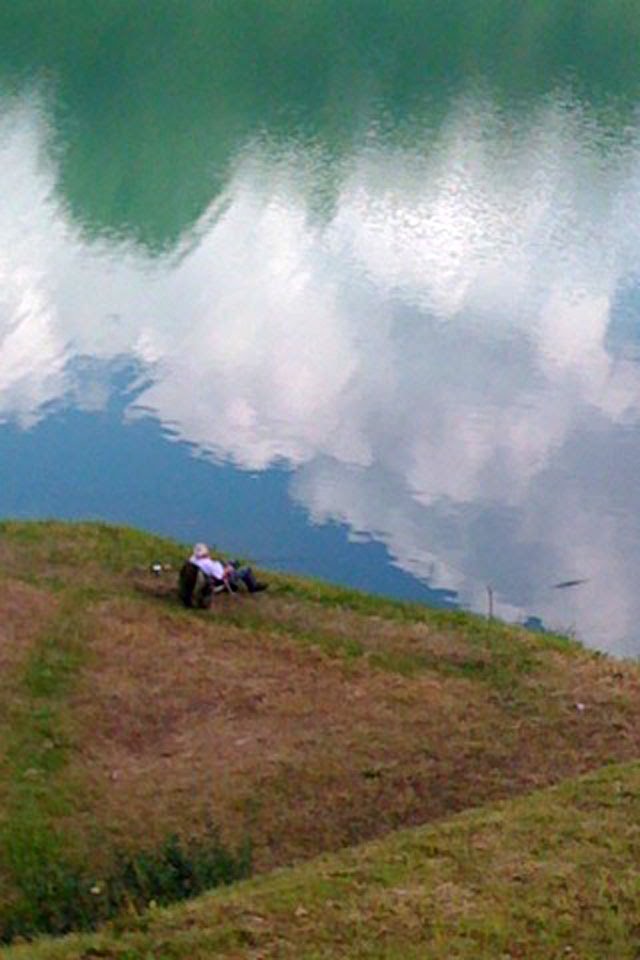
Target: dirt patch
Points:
x,y
185,719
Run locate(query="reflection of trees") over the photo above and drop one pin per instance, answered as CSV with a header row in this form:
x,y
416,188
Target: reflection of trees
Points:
x,y
153,100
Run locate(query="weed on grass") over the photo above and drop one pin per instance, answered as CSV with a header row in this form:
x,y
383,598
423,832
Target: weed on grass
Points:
x,y
57,895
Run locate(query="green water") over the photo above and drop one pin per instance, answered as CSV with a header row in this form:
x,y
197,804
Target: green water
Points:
x,y
368,269
152,102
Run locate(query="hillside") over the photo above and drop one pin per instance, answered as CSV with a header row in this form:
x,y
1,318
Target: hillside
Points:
x,y
303,720
553,875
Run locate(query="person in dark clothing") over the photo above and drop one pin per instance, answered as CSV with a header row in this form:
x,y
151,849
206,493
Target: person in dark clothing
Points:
x,y
234,575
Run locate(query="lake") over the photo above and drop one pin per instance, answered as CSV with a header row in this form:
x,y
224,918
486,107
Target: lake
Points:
x,y
349,288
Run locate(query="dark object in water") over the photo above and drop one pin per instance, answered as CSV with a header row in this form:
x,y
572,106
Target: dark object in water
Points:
x,y
569,583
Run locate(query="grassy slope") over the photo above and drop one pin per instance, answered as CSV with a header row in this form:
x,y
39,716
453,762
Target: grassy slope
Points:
x,y
310,718
553,875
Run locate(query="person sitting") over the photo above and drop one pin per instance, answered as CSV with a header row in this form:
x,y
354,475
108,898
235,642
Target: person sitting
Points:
x,y
202,576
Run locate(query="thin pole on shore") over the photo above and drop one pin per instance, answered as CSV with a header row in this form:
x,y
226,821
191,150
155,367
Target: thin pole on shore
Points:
x,y
490,603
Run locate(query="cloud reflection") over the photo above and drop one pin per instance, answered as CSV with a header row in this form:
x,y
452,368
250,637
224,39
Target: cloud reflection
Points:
x,y
432,356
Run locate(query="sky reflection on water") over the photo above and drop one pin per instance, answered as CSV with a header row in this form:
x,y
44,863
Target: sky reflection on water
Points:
x,y
440,356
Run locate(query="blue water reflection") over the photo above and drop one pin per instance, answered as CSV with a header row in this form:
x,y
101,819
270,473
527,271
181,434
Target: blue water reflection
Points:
x,y
426,386
80,464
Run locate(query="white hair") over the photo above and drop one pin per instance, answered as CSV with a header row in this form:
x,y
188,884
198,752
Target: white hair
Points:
x,y
201,550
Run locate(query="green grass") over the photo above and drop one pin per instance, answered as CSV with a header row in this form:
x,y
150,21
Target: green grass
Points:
x,y
117,549
50,543
331,595
548,876
37,742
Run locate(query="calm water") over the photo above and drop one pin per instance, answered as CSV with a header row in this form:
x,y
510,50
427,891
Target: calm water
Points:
x,y
351,287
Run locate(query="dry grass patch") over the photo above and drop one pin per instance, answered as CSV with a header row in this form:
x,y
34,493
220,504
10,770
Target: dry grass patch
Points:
x,y
24,610
228,715
401,645
591,708
198,717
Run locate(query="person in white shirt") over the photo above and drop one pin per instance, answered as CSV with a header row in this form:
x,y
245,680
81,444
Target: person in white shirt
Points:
x,y
202,559
229,575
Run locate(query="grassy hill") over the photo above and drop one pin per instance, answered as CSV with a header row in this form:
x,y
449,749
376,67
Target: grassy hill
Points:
x,y
549,876
136,735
